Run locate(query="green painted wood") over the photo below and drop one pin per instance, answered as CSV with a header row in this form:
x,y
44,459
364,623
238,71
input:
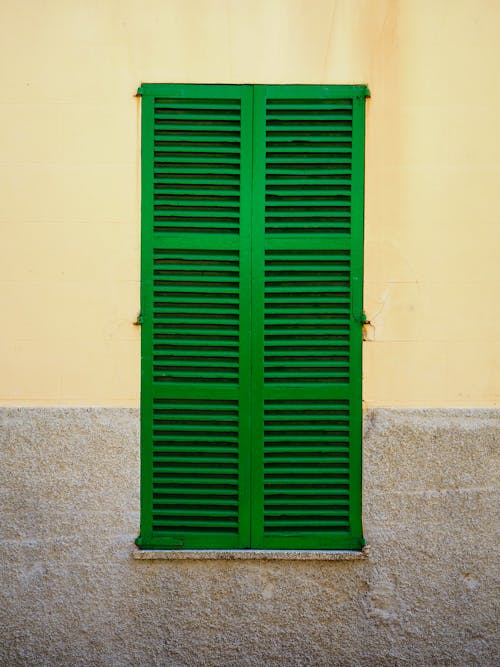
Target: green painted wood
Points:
x,y
258,283
307,275
357,238
245,427
196,280
252,244
225,92
146,531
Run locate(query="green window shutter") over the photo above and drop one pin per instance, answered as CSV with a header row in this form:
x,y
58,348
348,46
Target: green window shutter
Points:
x,y
306,309
196,188
252,209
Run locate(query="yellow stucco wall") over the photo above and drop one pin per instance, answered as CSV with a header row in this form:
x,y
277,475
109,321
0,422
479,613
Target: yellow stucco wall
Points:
x,y
69,179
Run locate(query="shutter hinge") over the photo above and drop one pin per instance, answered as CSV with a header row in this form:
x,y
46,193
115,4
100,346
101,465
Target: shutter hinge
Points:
x,y
139,319
362,319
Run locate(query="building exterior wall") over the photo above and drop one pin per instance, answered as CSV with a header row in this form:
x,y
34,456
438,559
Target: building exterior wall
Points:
x,y
70,361
70,191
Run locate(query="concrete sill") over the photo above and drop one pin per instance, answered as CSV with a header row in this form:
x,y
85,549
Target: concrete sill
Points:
x,y
230,554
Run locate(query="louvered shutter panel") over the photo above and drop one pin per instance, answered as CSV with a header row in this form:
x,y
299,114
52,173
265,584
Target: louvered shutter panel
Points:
x,y
196,196
306,307
252,208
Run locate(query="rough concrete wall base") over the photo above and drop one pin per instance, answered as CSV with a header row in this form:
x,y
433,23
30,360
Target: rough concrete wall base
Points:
x,y
73,595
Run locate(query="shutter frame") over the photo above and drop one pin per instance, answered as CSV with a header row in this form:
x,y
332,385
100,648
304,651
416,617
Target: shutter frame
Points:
x,y
252,244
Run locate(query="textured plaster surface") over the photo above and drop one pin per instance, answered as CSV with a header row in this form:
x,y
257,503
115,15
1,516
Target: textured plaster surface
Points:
x,y
71,593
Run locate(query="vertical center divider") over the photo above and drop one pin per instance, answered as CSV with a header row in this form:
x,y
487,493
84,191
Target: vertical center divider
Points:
x,y
258,227
245,319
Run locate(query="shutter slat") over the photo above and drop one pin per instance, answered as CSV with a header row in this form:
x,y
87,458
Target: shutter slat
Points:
x,y
298,494
173,469
172,336
191,192
305,512
201,353
313,107
195,501
313,181
194,120
182,152
297,449
311,481
294,115
207,181
195,203
185,140
299,439
294,202
198,128
183,492
305,153
204,170
305,127
163,480
195,448
194,513
207,281
189,525
301,353
316,503
307,136
198,106
294,193
322,213
326,170
208,288
304,292
300,159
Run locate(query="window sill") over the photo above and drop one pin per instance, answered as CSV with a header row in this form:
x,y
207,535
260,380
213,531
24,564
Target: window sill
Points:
x,y
234,554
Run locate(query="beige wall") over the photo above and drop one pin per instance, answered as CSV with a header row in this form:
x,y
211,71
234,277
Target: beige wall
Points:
x,y
69,186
